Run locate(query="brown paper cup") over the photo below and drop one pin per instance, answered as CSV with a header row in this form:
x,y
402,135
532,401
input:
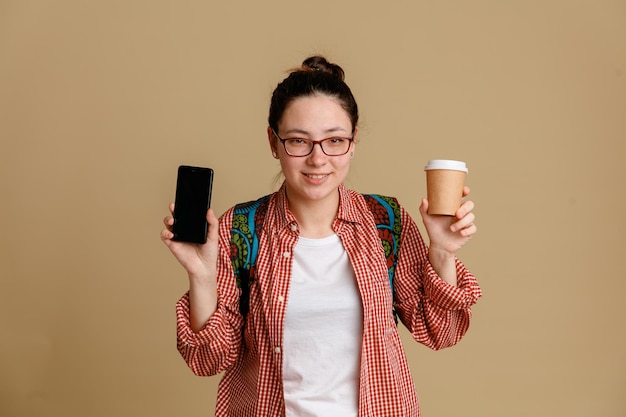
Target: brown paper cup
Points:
x,y
444,186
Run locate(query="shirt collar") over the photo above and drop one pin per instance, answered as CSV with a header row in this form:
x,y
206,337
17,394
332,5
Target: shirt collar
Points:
x,y
349,208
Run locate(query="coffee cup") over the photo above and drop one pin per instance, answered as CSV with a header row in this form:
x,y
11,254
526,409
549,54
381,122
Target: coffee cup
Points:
x,y
445,179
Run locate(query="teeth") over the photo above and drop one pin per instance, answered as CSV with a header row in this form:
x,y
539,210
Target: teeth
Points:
x,y
316,176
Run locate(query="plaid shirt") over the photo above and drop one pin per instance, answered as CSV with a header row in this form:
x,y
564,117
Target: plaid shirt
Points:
x,y
436,313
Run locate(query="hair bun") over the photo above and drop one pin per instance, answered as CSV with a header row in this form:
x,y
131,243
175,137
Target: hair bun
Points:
x,y
319,63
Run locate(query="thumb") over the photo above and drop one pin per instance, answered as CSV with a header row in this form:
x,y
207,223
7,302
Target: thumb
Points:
x,y
214,224
424,206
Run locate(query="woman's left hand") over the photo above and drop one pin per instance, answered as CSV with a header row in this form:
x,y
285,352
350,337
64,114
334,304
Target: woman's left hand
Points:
x,y
450,233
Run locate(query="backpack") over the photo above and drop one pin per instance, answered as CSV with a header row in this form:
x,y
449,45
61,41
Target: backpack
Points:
x,y
249,217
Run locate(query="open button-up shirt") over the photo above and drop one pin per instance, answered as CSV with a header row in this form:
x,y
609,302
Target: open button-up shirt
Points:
x,y
437,314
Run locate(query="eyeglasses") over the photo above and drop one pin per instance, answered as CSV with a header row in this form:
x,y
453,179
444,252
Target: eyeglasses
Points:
x,y
335,146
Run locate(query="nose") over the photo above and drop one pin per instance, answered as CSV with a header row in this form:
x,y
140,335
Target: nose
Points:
x,y
320,145
317,153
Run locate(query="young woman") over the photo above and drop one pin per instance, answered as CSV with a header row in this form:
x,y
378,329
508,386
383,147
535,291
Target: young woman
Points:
x,y
320,337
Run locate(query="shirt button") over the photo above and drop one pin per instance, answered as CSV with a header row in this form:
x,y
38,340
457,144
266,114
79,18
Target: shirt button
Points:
x,y
281,298
286,254
277,349
294,227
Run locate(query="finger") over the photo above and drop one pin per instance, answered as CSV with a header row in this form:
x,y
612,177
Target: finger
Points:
x,y
469,231
465,209
166,235
466,191
168,221
466,222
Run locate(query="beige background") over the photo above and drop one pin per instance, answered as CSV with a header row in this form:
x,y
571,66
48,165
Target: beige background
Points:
x,y
101,100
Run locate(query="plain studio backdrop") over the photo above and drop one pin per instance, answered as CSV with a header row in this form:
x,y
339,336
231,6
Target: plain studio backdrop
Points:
x,y
100,101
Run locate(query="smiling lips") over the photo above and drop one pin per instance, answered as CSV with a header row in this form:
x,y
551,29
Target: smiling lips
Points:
x,y
316,176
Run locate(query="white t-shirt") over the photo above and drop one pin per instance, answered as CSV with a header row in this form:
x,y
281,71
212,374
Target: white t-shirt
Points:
x,y
323,332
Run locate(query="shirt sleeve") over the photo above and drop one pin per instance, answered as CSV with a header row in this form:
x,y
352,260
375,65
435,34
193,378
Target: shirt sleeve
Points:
x,y
436,313
214,348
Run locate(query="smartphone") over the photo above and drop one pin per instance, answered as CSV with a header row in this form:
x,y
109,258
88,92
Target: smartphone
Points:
x,y
193,199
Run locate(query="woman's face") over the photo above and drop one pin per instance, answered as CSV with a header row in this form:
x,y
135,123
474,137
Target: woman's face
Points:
x,y
315,177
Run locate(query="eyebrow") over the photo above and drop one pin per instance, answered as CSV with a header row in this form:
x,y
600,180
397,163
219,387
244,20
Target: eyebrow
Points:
x,y
304,132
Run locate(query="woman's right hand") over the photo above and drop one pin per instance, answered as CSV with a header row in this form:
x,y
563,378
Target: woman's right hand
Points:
x,y
199,260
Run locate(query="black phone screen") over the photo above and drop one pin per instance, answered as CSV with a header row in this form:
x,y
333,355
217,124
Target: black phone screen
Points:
x,y
193,199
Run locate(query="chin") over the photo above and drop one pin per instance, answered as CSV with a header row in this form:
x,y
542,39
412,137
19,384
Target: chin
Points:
x,y
315,193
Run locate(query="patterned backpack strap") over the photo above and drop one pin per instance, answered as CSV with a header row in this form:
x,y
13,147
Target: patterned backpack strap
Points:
x,y
248,218
387,217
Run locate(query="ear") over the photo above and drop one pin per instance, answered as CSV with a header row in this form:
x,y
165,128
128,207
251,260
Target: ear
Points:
x,y
354,142
271,138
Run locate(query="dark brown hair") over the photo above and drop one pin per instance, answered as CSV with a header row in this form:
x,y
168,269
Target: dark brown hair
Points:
x,y
315,76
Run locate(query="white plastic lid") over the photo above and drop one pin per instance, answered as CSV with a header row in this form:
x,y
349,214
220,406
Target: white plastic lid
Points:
x,y
446,164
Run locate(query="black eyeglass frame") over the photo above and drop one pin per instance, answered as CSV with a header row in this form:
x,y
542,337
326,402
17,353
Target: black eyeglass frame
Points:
x,y
313,143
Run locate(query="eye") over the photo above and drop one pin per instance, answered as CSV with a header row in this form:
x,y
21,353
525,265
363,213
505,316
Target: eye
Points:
x,y
336,141
296,141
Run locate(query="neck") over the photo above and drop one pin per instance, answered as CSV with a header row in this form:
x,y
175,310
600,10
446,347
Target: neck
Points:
x,y
315,218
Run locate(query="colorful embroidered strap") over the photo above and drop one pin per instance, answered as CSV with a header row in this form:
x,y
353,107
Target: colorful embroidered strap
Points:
x,y
386,212
249,217
244,245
